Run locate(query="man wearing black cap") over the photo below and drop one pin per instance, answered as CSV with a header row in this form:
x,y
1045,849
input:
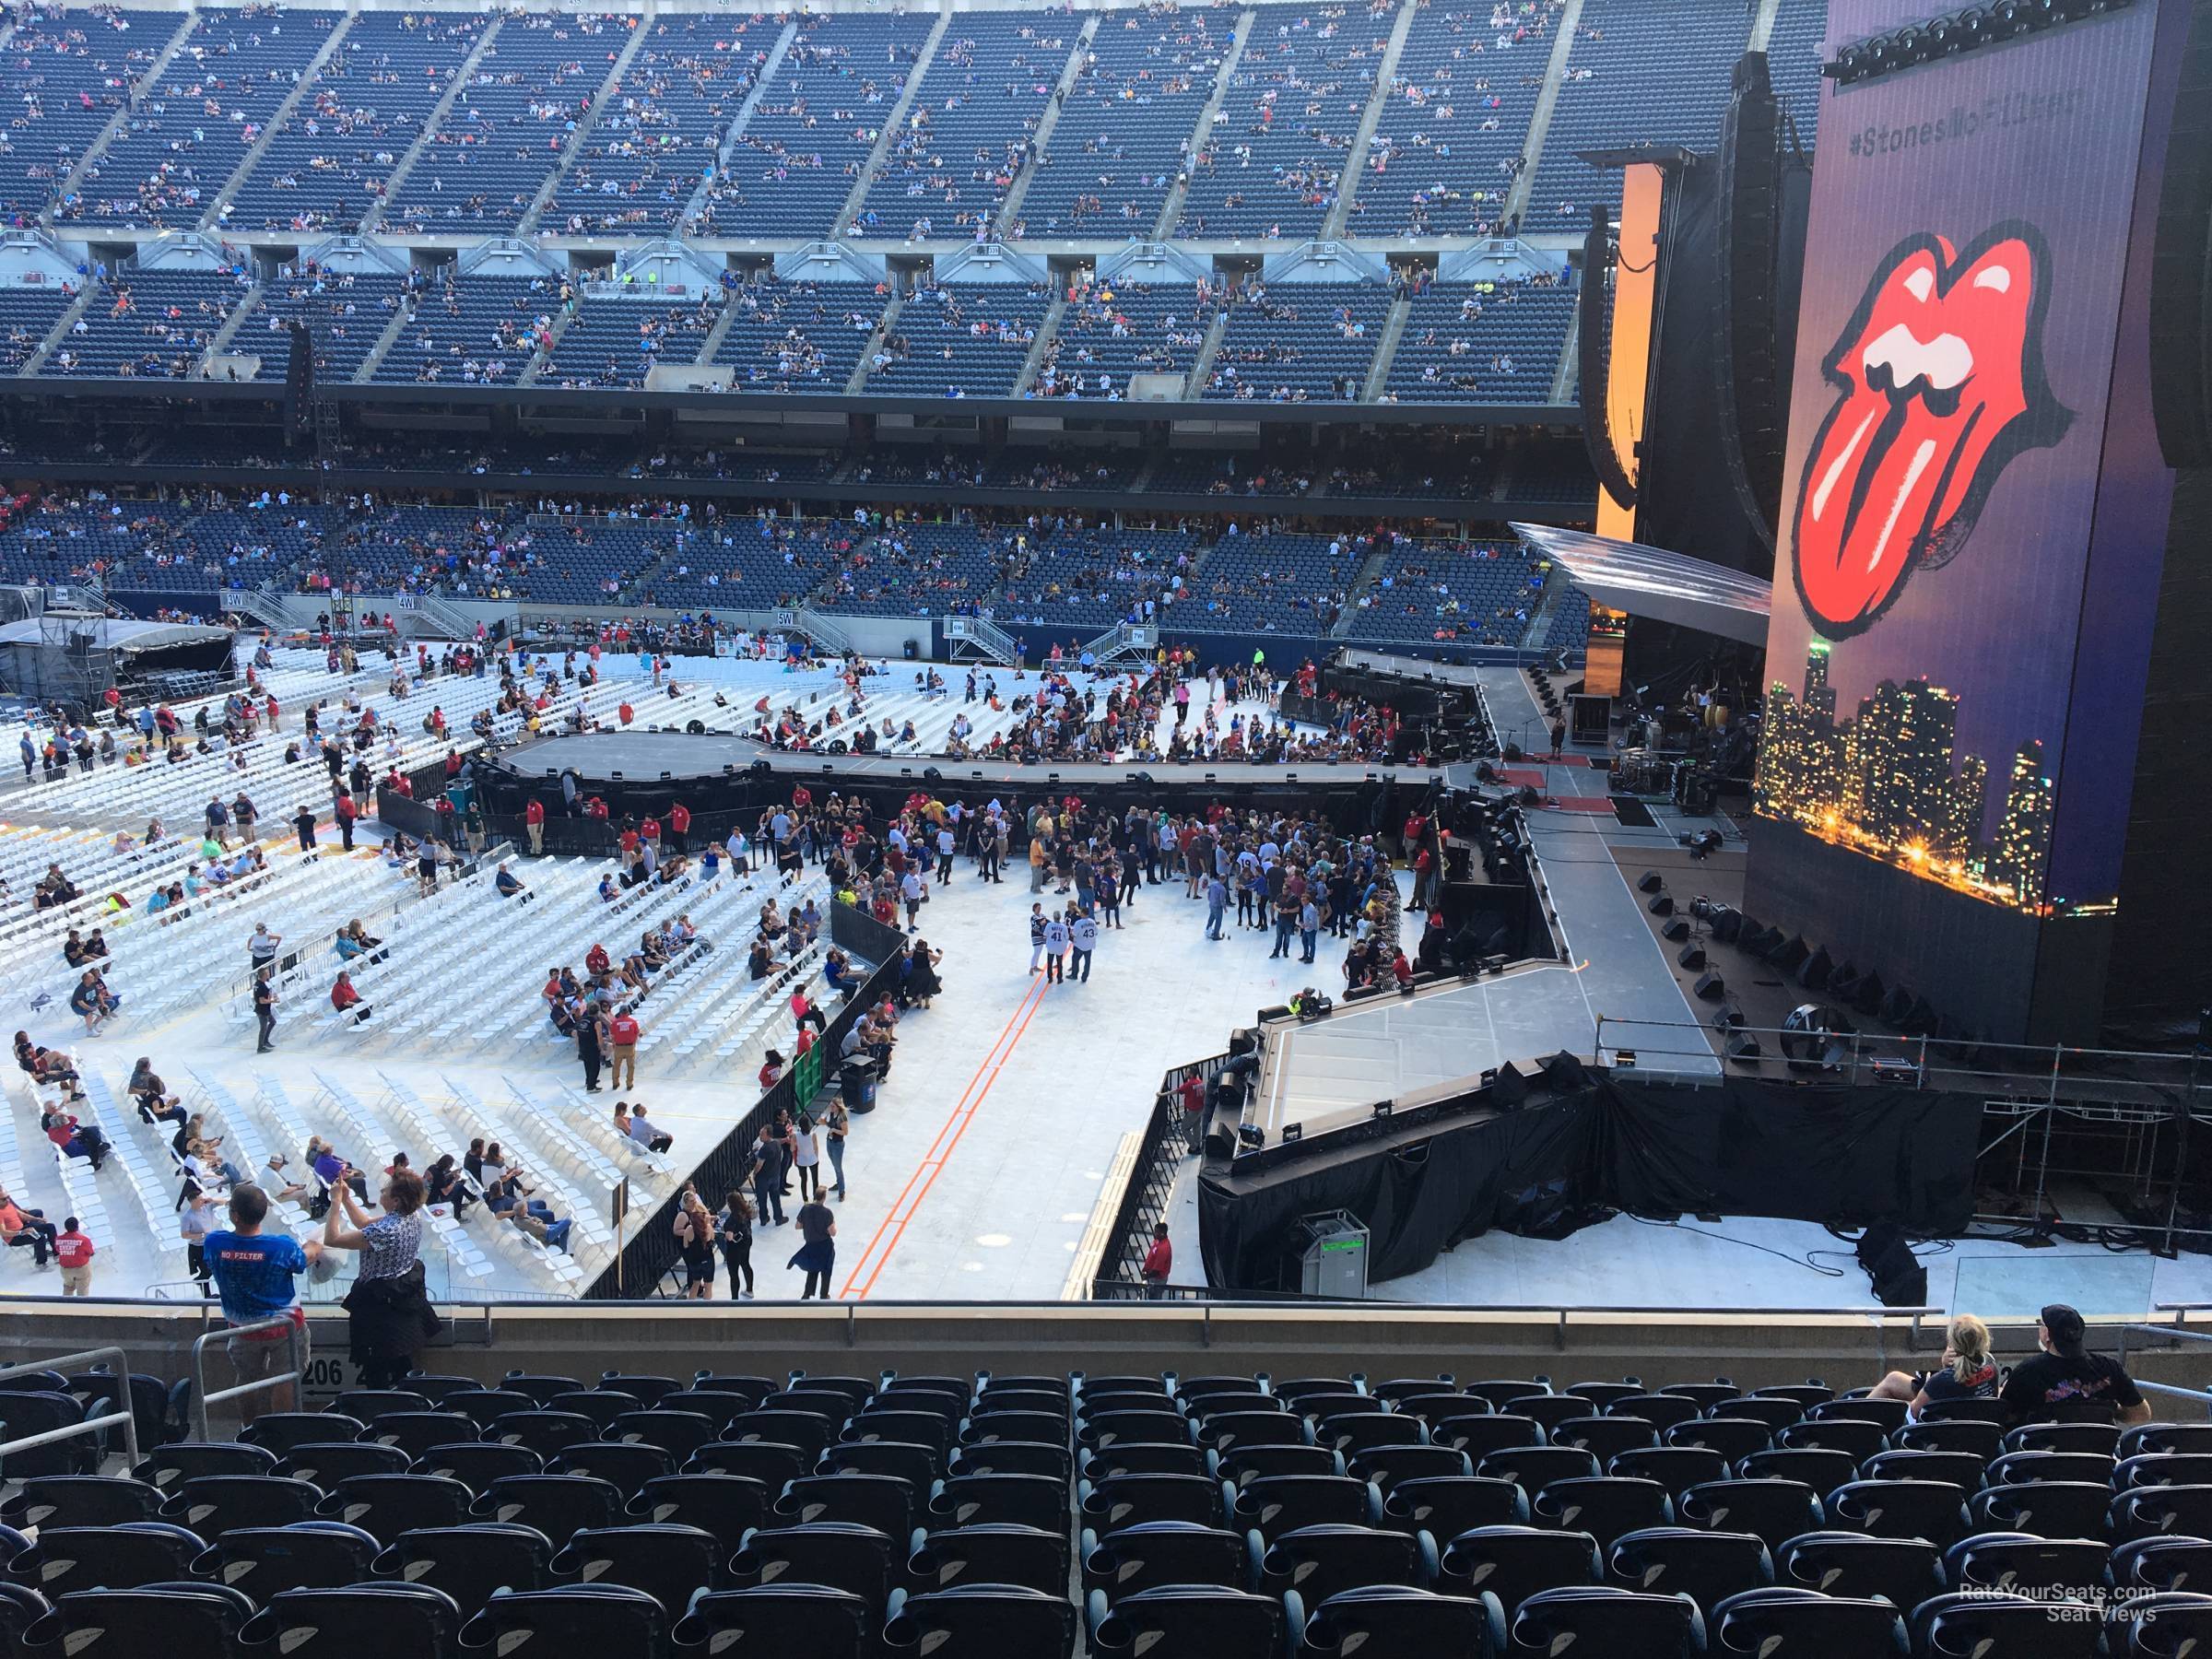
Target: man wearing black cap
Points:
x,y
2066,1383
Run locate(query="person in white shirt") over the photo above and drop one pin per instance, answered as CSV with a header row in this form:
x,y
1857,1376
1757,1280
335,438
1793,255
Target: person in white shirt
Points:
x,y
1084,935
1055,949
740,851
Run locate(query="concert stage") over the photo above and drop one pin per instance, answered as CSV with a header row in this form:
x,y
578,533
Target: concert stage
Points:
x,y
716,773
641,757
1332,1071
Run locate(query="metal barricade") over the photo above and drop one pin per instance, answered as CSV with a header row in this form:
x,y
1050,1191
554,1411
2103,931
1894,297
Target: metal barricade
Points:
x,y
201,1399
118,1366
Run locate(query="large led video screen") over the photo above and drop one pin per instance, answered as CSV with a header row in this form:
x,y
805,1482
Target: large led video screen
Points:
x,y
1959,535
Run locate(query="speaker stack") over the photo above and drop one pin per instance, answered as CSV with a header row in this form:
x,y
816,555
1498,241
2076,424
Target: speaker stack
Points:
x,y
1899,1279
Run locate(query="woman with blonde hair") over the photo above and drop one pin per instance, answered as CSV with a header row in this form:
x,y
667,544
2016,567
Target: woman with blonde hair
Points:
x,y
695,1235
1968,1372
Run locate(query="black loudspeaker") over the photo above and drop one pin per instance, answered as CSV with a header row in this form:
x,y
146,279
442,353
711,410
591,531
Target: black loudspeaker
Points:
x,y
1728,1017
1743,1048
1867,997
1897,1007
1506,1087
1900,1280
1563,1072
1816,971
1221,1143
1761,944
1788,955
1691,956
2180,293
1710,986
1727,923
1651,881
933,774
300,378
1662,906
1677,929
1748,387
1243,1040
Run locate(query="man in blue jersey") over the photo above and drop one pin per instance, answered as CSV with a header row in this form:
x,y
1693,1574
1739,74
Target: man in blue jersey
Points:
x,y
253,1273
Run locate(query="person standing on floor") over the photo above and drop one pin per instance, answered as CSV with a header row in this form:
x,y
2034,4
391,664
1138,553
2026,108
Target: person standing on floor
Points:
x,y
1309,927
74,1253
193,1226
265,1006
1159,1261
303,821
1055,949
733,1232
1191,1092
1083,935
1038,923
1216,905
695,1235
806,1157
390,1308
767,1177
623,1031
590,1044
818,1253
836,1124
534,820
987,850
253,1276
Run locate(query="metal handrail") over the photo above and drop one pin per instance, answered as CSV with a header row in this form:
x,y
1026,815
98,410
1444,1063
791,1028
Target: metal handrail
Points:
x,y
2200,1396
2016,1071
118,1366
202,1399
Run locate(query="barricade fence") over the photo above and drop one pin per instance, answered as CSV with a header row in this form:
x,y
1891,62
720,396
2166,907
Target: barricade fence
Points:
x,y
651,1251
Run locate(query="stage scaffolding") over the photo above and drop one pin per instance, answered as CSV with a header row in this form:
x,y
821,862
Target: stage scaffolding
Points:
x,y
2124,1119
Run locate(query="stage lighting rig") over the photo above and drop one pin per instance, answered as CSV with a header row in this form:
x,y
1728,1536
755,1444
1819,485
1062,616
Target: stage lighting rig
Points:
x,y
1954,33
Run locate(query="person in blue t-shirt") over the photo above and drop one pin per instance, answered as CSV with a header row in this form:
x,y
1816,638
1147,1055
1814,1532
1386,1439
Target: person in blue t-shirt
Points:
x,y
253,1273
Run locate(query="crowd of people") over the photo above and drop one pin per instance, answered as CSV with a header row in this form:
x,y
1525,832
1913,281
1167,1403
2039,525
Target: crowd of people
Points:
x,y
1076,709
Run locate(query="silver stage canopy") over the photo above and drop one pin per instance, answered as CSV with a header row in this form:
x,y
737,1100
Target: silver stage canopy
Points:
x,y
1652,582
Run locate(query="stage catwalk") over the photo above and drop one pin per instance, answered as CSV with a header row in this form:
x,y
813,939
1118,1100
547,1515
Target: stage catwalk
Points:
x,y
1334,1071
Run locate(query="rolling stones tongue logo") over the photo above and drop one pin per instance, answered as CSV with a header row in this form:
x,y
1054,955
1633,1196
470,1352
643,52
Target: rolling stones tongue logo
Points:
x,y
1941,377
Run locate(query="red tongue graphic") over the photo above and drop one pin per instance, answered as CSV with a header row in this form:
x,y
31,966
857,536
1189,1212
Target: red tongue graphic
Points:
x,y
1934,380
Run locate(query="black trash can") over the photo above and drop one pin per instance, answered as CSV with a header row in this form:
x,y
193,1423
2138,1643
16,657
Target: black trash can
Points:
x,y
856,1082
914,651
